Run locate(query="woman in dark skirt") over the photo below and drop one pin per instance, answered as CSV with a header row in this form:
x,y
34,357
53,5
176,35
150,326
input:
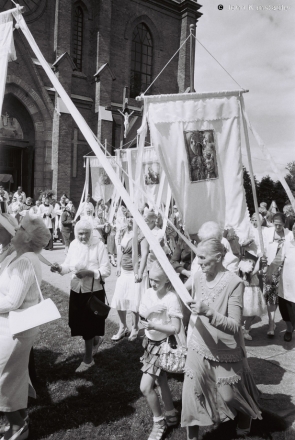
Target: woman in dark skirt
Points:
x,y
88,261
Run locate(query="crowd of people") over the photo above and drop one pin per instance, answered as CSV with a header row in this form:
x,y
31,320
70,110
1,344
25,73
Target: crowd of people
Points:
x,y
231,281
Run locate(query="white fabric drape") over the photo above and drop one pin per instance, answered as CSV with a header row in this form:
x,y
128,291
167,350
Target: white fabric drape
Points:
x,y
7,50
102,186
220,198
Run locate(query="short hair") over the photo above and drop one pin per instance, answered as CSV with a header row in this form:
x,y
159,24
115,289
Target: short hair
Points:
x,y
210,230
37,231
213,245
151,215
280,216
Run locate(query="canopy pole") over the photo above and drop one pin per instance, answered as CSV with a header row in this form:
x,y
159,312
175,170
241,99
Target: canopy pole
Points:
x,y
192,58
252,174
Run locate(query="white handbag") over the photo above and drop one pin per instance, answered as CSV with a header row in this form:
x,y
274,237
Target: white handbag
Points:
x,y
24,319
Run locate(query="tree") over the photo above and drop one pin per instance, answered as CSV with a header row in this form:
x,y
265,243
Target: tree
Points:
x,y
290,177
248,190
266,190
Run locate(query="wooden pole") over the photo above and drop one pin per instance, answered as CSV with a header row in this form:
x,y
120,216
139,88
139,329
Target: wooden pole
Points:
x,y
252,174
192,58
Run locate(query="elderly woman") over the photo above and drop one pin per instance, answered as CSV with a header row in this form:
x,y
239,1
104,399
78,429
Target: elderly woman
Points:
x,y
19,290
88,261
275,238
218,385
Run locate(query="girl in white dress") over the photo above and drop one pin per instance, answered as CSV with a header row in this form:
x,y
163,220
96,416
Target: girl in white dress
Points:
x,y
254,303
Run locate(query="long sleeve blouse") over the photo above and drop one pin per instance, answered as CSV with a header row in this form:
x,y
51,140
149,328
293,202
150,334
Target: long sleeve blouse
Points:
x,y
98,262
19,289
217,337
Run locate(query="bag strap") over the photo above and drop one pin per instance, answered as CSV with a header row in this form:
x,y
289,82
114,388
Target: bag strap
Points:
x,y
102,285
37,282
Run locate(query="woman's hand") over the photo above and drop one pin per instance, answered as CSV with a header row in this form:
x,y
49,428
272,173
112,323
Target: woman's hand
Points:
x,y
138,278
198,307
55,267
84,273
118,273
147,325
186,273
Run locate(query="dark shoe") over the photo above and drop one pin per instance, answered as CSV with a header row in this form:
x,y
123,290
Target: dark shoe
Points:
x,y
288,336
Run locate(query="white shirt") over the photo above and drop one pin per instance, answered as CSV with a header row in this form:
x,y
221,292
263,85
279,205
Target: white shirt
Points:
x,y
287,279
18,196
47,213
173,310
98,262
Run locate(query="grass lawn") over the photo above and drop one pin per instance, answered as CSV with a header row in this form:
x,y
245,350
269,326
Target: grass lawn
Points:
x,y
105,402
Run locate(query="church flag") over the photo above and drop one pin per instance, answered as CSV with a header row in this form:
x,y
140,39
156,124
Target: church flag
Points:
x,y
102,186
197,139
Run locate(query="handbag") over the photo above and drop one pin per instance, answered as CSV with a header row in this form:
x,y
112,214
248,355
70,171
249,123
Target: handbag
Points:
x,y
24,319
171,359
95,306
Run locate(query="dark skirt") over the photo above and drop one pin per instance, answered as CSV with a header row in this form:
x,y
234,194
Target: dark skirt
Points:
x,y
83,322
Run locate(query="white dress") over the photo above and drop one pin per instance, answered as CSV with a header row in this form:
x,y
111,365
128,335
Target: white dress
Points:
x,y
287,279
18,290
254,302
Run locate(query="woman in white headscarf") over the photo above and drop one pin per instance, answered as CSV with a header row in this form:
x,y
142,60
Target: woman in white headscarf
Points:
x,y
88,261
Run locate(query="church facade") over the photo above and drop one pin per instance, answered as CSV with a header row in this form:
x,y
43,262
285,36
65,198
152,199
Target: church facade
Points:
x,y
105,53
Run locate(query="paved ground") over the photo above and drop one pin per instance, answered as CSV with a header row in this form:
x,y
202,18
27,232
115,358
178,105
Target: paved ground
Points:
x,y
272,360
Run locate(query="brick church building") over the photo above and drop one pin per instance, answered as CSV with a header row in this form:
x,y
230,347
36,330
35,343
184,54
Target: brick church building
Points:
x,y
98,49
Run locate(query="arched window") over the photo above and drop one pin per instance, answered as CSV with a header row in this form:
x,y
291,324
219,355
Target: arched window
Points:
x,y
141,60
78,37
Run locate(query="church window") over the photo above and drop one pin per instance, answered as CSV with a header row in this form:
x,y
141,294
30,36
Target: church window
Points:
x,y
78,38
141,60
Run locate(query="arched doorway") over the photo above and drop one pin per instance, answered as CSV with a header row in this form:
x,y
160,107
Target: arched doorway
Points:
x,y
17,142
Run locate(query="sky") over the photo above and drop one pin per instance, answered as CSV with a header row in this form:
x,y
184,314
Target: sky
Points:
x,y
257,47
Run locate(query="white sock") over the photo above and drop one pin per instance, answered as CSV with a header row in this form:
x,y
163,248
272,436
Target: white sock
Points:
x,y
158,419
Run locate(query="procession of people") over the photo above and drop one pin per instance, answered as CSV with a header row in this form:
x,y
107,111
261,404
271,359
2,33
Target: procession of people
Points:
x,y
231,281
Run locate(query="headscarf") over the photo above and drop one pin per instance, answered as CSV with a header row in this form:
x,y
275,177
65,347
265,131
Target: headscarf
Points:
x,y
81,253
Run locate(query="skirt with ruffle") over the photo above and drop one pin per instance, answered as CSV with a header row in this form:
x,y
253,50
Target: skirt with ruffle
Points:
x,y
214,392
127,295
150,358
254,302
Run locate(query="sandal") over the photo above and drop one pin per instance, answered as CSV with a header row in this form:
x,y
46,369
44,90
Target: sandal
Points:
x,y
172,420
84,367
120,335
133,335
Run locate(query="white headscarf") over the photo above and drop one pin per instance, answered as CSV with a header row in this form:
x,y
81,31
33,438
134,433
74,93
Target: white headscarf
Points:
x,y
80,258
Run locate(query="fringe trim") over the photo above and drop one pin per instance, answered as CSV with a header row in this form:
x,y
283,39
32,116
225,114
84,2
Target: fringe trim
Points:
x,y
228,380
208,355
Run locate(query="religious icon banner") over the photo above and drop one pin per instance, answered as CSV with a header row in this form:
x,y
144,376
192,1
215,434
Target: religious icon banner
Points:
x,y
197,139
152,181
102,187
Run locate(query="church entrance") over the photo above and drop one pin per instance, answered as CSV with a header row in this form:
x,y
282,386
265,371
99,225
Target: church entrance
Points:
x,y
17,138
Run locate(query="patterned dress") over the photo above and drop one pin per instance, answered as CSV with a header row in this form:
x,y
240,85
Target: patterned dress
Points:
x,y
218,382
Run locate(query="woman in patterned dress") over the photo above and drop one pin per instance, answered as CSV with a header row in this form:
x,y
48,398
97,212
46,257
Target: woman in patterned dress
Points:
x,y
218,384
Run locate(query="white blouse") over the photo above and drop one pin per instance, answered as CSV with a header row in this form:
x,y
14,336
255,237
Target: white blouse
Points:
x,y
98,262
173,310
19,289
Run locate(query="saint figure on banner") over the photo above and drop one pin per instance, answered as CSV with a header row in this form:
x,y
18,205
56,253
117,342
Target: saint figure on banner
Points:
x,y
152,173
201,154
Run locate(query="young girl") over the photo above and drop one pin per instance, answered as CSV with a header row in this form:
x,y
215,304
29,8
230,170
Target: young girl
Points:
x,y
254,303
161,315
